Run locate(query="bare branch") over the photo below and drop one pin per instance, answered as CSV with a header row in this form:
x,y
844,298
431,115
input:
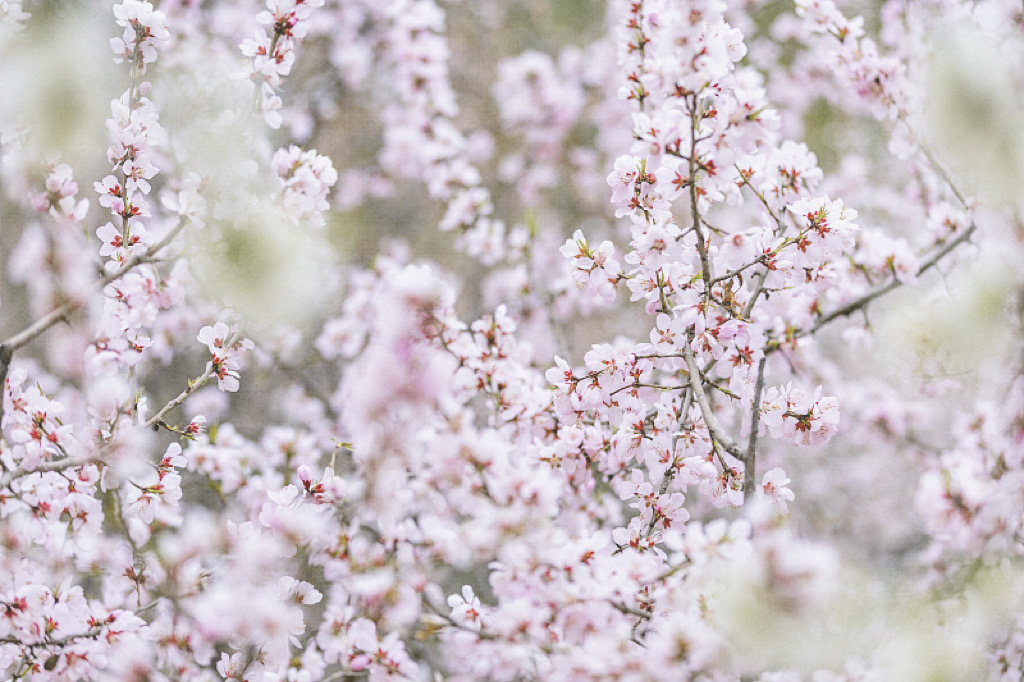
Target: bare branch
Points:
x,y
936,166
761,276
737,271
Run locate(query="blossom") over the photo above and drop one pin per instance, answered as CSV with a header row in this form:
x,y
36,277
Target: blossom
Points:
x,y
774,487
466,609
827,229
149,501
227,346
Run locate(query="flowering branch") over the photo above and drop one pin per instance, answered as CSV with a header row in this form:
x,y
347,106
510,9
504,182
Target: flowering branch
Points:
x,y
63,312
705,265
894,283
600,503
51,465
193,386
707,413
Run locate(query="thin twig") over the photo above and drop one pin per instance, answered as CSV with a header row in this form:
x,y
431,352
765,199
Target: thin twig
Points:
x,y
936,166
737,271
778,221
189,390
193,385
629,610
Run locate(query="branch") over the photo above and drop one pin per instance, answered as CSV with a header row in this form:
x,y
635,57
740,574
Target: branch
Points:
x,y
928,264
705,408
637,384
93,633
62,312
749,479
52,465
779,228
761,276
936,166
158,418
629,610
705,266
894,283
737,271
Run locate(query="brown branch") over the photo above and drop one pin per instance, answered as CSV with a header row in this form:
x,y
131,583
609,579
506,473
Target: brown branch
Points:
x,y
737,271
93,633
629,610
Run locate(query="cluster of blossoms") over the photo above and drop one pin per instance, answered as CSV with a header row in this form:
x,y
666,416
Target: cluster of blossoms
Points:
x,y
791,414
307,178
273,53
35,426
971,497
59,198
144,29
133,297
548,104
878,81
594,270
438,475
420,138
135,131
158,499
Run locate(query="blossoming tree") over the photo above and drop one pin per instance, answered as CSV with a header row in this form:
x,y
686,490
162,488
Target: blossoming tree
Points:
x,y
348,340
